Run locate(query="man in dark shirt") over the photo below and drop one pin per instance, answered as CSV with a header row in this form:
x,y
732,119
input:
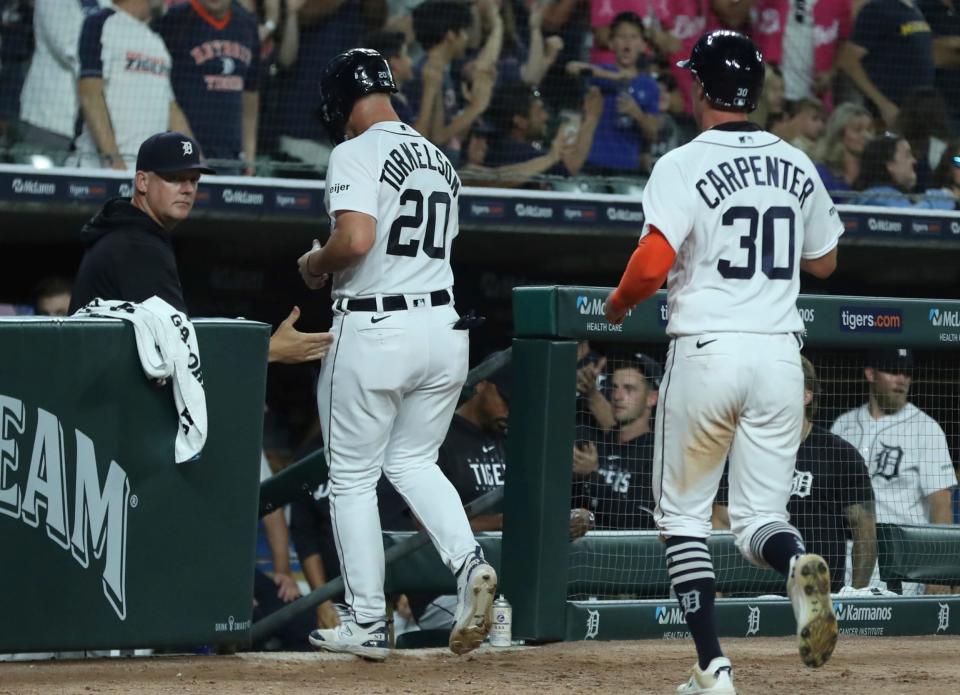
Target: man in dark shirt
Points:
x,y
944,20
129,252
215,47
521,119
889,53
613,475
832,497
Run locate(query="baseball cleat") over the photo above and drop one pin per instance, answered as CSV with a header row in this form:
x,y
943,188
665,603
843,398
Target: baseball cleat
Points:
x,y
349,637
716,679
476,588
808,587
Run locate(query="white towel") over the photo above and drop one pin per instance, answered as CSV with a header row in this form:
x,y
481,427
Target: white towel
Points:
x,y
167,345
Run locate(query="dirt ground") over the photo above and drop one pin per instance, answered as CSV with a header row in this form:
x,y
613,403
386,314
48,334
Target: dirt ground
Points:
x,y
876,666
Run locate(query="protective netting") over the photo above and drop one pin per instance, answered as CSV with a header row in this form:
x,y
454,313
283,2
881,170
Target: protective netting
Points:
x,y
880,439
524,92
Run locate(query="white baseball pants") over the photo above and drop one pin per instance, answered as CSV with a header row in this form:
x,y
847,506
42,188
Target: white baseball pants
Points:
x,y
739,394
387,392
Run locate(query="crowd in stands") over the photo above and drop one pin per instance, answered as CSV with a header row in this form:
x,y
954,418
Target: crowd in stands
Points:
x,y
516,92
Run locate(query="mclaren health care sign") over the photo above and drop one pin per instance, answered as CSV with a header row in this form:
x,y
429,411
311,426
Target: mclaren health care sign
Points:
x,y
105,542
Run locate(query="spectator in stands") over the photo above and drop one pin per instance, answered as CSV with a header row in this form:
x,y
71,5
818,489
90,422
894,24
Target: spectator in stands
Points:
x,y
888,175
326,29
124,86
474,172
838,154
944,22
831,498
802,124
889,53
537,57
631,101
678,26
441,28
924,123
52,297
392,45
16,47
770,109
48,102
905,449
613,472
803,38
570,21
946,177
521,119
215,47
129,252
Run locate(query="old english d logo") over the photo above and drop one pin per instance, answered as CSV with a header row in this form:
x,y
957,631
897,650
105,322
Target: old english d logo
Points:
x,y
888,461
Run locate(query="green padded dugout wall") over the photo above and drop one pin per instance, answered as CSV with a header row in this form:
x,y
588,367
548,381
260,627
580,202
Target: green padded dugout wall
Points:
x,y
105,542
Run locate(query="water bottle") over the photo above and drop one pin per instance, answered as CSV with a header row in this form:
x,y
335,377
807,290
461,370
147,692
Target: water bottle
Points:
x,y
501,631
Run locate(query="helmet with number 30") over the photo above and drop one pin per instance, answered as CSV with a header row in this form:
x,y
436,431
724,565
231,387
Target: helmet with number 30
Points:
x,y
729,67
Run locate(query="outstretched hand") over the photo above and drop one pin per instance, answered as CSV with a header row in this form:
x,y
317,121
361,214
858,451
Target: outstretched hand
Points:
x,y
290,346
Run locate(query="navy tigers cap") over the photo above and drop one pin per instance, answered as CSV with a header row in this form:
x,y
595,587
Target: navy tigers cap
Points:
x,y
892,360
171,151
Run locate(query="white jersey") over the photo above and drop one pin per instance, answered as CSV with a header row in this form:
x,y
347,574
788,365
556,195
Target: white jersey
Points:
x,y
135,67
740,207
54,65
907,456
395,175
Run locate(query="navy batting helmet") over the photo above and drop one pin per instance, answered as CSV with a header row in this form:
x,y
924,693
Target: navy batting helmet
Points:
x,y
348,77
729,67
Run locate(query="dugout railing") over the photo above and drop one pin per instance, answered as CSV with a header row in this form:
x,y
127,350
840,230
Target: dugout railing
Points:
x,y
537,572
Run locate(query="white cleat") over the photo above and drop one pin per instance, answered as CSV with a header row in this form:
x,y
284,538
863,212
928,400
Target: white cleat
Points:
x,y
716,679
808,587
348,637
476,588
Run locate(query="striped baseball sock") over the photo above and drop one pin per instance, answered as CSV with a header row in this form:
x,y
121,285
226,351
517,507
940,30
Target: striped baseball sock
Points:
x,y
692,578
777,543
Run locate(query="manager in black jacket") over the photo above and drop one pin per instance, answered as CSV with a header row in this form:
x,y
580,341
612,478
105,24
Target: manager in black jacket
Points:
x,y
129,253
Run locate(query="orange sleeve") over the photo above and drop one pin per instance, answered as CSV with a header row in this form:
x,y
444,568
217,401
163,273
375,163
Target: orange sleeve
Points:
x,y
646,271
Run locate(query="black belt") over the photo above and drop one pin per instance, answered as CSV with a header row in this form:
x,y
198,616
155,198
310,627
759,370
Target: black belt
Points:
x,y
391,302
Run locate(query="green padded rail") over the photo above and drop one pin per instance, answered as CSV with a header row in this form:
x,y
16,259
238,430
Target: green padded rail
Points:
x,y
645,576
576,313
919,553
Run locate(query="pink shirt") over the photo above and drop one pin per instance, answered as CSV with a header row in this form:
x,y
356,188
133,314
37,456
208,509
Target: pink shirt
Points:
x,y
831,24
686,20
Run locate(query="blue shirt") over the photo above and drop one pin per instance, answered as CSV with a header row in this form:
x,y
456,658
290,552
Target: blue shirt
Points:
x,y
617,145
888,196
214,62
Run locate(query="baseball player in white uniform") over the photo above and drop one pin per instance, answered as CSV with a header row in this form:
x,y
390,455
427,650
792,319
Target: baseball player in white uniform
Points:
x,y
389,384
904,448
730,219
